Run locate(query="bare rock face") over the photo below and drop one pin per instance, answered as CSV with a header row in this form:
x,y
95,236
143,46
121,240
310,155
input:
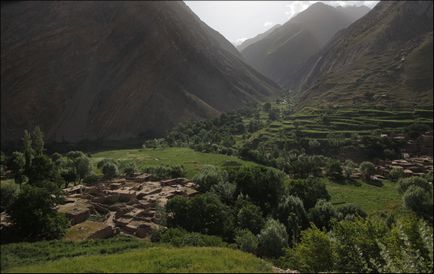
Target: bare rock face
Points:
x,y
385,58
115,70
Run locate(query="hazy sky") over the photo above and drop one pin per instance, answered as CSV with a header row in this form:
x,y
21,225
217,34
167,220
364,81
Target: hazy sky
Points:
x,y
239,20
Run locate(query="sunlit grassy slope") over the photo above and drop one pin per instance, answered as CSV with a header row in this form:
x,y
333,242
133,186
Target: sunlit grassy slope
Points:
x,y
157,259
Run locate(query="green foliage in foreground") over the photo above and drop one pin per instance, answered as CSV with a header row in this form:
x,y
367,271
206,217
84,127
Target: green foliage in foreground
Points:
x,y
158,259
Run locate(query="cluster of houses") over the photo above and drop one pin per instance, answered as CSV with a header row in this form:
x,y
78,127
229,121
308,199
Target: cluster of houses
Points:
x,y
411,166
127,205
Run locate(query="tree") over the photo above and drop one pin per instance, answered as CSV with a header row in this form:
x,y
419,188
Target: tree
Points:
x,y
250,217
225,191
266,107
322,214
110,170
272,239
419,200
263,185
405,183
396,173
309,191
27,150
83,167
8,193
348,168
38,141
292,214
17,165
350,212
42,169
367,169
246,241
208,177
334,169
34,216
314,253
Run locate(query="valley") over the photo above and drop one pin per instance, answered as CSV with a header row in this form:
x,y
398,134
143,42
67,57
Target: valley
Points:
x,y
138,138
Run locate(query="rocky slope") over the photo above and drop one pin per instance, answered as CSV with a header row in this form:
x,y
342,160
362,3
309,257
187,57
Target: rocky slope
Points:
x,y
115,70
281,53
385,58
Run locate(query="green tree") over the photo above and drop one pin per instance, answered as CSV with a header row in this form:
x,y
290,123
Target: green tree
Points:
x,y
396,173
273,239
419,200
8,193
208,177
334,169
17,165
110,170
27,150
405,183
322,214
250,217
263,185
350,212
246,241
34,216
38,141
367,169
309,191
42,169
314,253
292,214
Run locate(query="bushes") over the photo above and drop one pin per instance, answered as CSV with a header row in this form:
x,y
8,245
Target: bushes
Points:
x,y
8,193
208,177
309,191
272,239
421,182
204,213
179,237
396,173
419,200
313,254
250,217
110,170
292,214
367,169
263,185
322,214
246,241
350,211
165,172
334,169
34,216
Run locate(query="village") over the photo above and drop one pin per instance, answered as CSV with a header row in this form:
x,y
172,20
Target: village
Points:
x,y
127,205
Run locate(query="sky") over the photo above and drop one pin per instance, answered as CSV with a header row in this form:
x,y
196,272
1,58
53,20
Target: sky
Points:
x,y
240,20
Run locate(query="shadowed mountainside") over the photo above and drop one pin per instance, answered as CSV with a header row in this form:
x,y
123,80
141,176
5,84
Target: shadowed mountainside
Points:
x,y
114,70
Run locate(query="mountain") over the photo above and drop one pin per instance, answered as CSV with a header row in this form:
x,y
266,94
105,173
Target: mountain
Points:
x,y
281,53
116,70
258,37
385,58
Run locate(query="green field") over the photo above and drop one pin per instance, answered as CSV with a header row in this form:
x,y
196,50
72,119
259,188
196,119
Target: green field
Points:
x,y
192,161
123,254
372,199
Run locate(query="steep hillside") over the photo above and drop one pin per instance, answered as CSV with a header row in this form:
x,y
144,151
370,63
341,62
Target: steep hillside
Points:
x,y
385,58
257,38
114,70
281,53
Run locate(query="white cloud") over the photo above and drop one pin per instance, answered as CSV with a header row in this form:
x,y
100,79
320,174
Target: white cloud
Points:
x,y
268,24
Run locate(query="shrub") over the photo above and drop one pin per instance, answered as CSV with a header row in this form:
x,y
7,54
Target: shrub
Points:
x,y
334,169
208,177
110,170
367,169
322,214
314,253
34,216
179,237
405,183
246,241
250,217
272,239
309,191
396,173
91,179
8,193
419,200
350,211
255,181
292,214
165,172
101,163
